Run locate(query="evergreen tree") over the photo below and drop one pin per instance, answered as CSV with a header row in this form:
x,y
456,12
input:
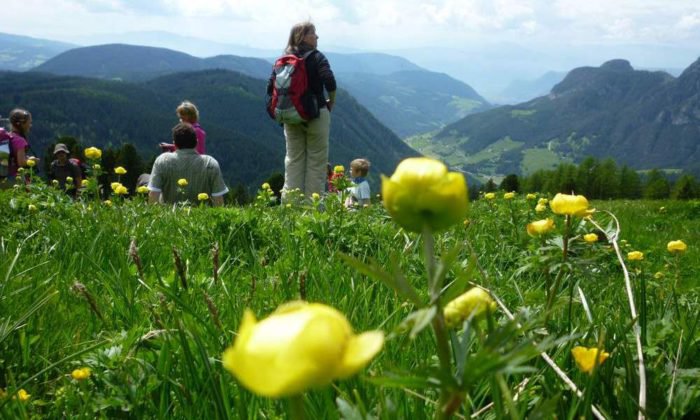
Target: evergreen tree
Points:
x,y
510,183
657,186
606,181
685,188
535,182
630,184
490,186
585,177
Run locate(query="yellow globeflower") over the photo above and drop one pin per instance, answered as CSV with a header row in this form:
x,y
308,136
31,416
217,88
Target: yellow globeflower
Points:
x,y
339,169
142,189
23,395
531,196
96,167
182,182
474,302
590,238
108,203
119,170
202,196
121,190
93,153
115,185
635,256
509,195
265,186
573,205
31,163
84,183
69,179
299,346
543,201
540,208
81,374
676,247
586,357
540,227
422,193
315,196
490,196
31,208
54,182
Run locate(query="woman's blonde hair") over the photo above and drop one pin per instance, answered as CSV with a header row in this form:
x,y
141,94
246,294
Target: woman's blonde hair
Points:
x,y
297,34
189,111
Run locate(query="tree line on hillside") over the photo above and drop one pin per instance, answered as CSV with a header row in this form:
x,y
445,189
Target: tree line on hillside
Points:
x,y
601,179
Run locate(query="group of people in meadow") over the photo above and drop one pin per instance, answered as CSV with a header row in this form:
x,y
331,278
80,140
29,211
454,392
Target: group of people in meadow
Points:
x,y
305,163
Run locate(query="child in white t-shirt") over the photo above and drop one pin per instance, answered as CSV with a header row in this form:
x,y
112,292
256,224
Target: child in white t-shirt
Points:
x,y
359,192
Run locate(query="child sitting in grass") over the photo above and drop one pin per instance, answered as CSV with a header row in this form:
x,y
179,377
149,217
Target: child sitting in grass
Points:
x,y
359,192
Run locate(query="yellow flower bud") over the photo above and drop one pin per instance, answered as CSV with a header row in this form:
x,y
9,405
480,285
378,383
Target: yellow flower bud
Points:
x,y
69,179
54,182
422,193
540,227
299,346
542,201
81,374
586,357
531,196
573,205
339,169
93,153
540,208
108,203
509,195
635,256
590,238
31,208
115,185
142,189
265,186
23,396
96,167
84,183
315,196
474,302
202,196
676,247
490,196
119,170
31,162
182,182
121,190
658,275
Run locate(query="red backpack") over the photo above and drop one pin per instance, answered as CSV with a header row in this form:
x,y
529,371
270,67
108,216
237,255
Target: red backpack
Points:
x,y
289,99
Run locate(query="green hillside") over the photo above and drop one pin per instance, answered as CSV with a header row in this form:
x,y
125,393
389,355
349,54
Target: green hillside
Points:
x,y
640,118
247,143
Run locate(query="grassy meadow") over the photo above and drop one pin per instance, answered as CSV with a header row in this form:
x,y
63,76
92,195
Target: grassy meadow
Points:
x,y
149,297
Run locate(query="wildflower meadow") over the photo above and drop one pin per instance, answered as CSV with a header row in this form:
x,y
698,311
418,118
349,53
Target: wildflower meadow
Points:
x,y
421,305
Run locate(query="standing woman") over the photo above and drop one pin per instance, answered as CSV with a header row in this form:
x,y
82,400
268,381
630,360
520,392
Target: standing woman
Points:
x,y
307,143
21,124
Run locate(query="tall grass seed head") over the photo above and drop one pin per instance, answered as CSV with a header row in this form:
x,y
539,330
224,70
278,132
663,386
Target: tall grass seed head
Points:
x,y
299,346
572,205
585,357
474,302
676,247
422,193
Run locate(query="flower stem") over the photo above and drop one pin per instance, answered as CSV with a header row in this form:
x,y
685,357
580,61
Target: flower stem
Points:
x,y
438,323
296,407
560,274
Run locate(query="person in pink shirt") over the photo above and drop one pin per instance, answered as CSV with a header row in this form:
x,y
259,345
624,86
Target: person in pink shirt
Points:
x,y
20,125
188,113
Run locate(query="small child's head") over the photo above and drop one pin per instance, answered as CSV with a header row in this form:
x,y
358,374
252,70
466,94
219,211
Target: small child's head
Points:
x,y
187,112
359,167
21,121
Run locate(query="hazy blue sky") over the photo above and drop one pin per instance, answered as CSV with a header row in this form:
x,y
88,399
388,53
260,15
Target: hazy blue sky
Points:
x,y
485,43
369,24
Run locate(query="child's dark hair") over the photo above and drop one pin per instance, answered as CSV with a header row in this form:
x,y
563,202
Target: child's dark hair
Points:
x,y
184,136
361,165
18,117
